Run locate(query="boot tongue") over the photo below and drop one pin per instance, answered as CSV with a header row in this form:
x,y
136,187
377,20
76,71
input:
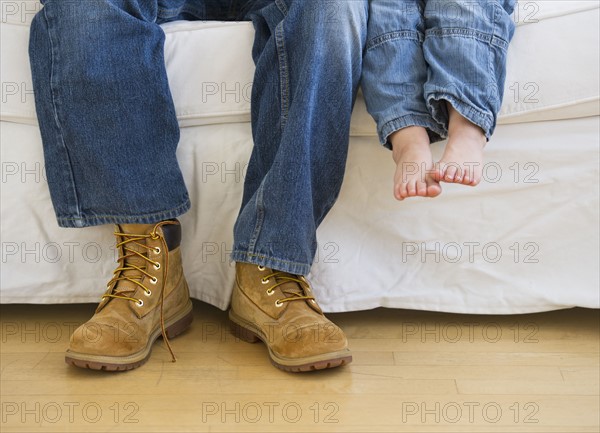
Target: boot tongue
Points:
x,y
133,259
136,229
125,287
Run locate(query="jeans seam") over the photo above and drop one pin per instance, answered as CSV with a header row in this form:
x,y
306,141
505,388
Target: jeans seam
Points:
x,y
56,118
491,71
468,33
393,36
264,260
284,83
262,256
282,6
260,217
474,115
104,219
398,123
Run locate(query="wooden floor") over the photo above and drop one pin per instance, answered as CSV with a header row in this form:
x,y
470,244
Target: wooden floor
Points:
x,y
412,372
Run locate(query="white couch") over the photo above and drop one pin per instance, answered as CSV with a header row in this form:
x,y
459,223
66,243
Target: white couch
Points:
x,y
525,240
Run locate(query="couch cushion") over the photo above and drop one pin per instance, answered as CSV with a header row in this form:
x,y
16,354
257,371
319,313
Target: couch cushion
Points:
x,y
552,73
214,86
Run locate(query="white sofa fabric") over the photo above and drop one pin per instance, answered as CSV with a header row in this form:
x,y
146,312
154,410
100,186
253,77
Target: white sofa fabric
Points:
x,y
525,240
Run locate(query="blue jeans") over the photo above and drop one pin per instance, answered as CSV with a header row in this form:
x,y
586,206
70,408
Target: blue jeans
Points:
x,y
420,54
110,132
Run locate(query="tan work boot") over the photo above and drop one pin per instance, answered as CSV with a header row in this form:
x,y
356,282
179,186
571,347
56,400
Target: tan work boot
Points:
x,y
148,295
280,309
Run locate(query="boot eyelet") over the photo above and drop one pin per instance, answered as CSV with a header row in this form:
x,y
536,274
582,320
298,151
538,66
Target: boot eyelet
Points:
x,y
278,303
157,266
313,301
270,292
261,268
265,281
139,303
153,280
154,236
157,250
148,293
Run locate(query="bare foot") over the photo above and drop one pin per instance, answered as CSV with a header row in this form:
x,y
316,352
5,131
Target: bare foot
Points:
x,y
462,161
414,164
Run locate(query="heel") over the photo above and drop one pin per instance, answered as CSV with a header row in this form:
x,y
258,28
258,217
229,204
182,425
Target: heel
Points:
x,y
243,333
180,326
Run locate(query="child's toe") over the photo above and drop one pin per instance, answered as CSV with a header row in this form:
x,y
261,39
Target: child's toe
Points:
x,y
421,189
450,174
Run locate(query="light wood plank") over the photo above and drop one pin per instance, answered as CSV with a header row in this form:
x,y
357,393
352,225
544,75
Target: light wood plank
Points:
x,y
409,374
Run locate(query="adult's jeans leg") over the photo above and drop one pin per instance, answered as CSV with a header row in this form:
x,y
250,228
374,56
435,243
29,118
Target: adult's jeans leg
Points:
x,y
465,47
308,56
105,111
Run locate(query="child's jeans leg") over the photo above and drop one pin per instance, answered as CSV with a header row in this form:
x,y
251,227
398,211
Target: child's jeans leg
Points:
x,y
465,47
394,68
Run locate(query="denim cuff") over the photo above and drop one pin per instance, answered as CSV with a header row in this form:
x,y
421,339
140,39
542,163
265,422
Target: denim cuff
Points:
x,y
484,120
435,132
238,255
146,218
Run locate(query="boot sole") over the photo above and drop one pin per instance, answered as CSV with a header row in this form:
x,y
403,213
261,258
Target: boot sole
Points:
x,y
174,326
247,332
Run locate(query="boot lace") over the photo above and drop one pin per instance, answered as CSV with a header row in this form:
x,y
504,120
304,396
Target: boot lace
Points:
x,y
294,292
129,239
